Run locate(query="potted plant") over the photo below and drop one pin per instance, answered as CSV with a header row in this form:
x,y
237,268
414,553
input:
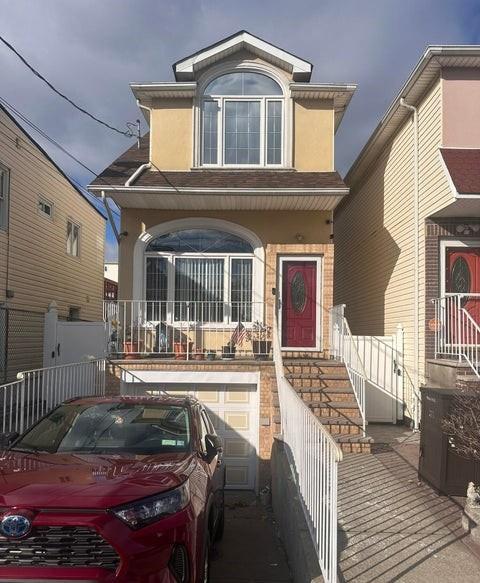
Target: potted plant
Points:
x,y
228,351
130,348
211,355
181,348
199,354
260,336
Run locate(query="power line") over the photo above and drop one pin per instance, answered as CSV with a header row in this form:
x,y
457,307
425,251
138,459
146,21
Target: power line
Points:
x,y
129,133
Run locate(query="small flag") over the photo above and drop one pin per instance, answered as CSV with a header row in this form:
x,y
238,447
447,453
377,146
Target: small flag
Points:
x,y
238,334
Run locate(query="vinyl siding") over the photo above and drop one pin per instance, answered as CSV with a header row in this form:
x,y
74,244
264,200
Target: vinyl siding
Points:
x,y
374,237
39,269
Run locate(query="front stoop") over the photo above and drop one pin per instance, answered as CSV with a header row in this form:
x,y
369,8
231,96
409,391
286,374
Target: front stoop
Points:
x,y
325,387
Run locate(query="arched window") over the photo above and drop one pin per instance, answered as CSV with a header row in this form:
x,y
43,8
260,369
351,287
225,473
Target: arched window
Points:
x,y
206,272
242,121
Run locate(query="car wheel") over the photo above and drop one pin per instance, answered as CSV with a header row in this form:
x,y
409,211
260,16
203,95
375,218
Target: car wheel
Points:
x,y
220,527
206,561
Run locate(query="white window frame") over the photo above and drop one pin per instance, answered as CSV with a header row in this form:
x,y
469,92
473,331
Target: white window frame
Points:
x,y
221,100
43,201
227,257
79,227
4,196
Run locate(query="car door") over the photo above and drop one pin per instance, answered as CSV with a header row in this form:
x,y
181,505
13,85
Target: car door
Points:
x,y
216,467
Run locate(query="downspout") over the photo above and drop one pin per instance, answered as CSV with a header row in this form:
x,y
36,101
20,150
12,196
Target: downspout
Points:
x,y
416,197
110,217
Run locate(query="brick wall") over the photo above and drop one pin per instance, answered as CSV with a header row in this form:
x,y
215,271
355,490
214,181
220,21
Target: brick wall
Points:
x,y
435,231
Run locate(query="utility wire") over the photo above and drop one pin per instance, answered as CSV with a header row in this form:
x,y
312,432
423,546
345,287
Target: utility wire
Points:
x,y
129,133
47,165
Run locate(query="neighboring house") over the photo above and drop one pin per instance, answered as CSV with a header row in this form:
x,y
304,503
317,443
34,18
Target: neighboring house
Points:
x,y
51,248
409,232
226,209
110,282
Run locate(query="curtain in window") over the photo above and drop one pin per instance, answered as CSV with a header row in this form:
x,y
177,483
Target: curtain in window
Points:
x,y
199,289
156,288
241,290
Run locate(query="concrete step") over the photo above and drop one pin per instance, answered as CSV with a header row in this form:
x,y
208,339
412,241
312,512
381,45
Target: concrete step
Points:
x,y
313,366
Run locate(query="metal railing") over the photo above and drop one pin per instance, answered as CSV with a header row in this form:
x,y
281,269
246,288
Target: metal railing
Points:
x,y
36,392
457,328
314,456
343,347
197,330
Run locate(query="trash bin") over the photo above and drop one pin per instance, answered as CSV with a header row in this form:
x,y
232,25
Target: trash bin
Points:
x,y
439,465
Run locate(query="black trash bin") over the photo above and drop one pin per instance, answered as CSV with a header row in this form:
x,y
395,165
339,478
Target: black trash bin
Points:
x,y
439,465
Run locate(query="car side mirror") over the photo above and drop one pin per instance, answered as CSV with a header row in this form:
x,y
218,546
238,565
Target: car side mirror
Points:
x,y
8,438
213,446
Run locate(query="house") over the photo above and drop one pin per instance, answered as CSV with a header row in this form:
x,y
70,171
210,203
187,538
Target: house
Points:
x,y
407,238
51,248
110,281
226,209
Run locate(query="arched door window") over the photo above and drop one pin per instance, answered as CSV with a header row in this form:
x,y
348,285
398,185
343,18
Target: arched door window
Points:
x,y
242,121
202,275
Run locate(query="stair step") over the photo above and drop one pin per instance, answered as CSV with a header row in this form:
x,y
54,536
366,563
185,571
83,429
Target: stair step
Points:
x,y
333,408
326,390
315,375
352,438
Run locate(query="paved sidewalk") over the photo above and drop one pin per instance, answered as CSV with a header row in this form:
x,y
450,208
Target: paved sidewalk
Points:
x,y
393,528
250,551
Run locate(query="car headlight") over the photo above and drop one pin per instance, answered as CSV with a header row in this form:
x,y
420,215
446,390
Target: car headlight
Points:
x,y
147,510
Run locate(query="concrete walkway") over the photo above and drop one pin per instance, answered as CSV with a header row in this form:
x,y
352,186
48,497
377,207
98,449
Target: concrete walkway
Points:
x,y
393,528
250,551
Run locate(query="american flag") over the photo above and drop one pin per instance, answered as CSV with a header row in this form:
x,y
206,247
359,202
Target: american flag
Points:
x,y
238,334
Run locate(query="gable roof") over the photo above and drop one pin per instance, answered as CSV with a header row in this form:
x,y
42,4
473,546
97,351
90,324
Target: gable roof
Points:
x,y
463,165
56,166
185,69
426,71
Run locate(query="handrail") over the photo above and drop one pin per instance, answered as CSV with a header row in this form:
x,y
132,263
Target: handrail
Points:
x,y
314,456
457,334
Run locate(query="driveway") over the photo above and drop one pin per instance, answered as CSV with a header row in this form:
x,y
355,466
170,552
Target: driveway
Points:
x,y
394,528
250,551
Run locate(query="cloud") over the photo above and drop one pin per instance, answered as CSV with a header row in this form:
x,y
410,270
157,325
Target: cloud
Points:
x,y
93,49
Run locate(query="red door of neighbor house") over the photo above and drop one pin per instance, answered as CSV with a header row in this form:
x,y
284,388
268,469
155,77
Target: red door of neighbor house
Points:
x,y
299,304
463,276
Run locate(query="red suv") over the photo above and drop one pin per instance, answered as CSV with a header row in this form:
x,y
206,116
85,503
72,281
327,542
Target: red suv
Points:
x,y
126,489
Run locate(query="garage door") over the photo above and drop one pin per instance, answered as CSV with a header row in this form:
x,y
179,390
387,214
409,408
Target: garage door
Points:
x,y
233,410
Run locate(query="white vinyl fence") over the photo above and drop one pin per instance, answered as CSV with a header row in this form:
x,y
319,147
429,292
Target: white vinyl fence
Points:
x,y
314,456
36,392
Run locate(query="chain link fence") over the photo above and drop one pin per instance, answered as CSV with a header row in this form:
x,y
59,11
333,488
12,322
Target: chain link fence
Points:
x,y
21,341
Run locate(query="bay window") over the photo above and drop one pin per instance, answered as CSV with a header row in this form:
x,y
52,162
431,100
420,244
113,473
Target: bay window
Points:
x,y
200,275
242,121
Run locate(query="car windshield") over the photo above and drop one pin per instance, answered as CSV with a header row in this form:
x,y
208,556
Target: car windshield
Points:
x,y
137,428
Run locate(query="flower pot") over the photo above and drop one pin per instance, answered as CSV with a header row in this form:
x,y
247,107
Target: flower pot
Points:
x,y
261,349
199,355
180,349
211,355
228,352
130,350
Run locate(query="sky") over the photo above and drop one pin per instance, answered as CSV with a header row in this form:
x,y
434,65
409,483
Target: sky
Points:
x,y
92,49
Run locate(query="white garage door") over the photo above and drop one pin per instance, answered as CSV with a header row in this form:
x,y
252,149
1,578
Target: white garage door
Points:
x,y
233,410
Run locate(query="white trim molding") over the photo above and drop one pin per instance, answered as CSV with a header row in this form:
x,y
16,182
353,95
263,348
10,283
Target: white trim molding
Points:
x,y
138,286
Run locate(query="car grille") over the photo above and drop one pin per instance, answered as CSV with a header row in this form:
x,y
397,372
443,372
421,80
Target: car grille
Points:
x,y
59,546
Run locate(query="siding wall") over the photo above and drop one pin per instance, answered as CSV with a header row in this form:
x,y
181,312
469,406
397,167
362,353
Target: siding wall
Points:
x,y
374,237
39,269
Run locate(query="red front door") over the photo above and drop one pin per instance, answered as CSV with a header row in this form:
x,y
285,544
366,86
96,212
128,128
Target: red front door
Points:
x,y
299,304
463,276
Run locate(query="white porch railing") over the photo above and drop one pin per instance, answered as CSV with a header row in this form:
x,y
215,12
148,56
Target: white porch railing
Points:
x,y
314,456
343,347
189,330
36,392
457,331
